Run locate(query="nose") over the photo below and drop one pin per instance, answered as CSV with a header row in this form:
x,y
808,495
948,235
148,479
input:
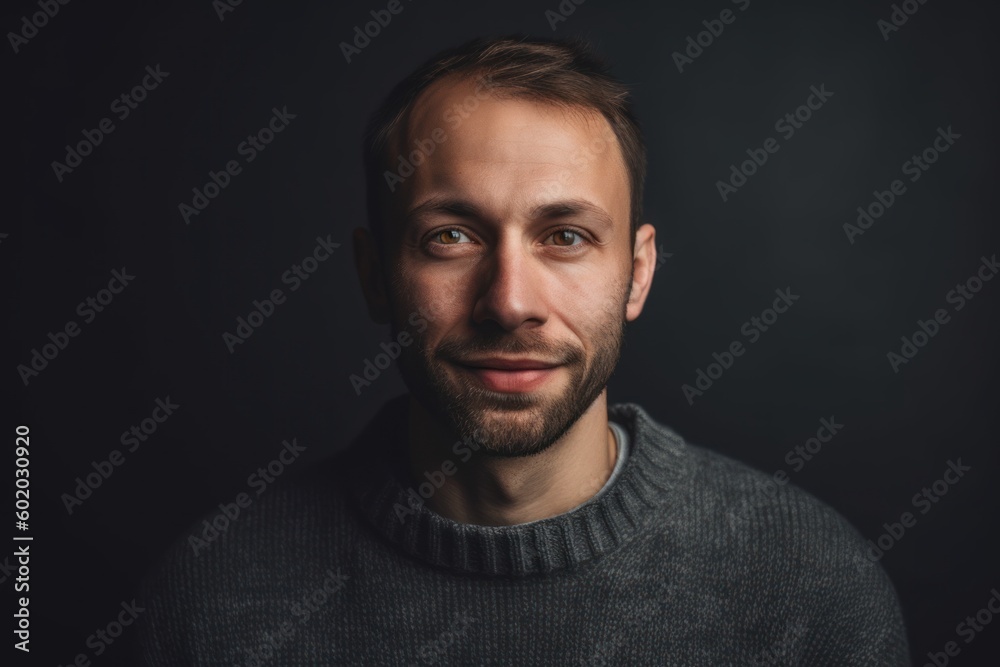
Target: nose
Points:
x,y
511,292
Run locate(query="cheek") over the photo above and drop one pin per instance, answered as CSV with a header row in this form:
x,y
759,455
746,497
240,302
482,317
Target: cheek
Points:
x,y
437,304
437,308
588,296
605,308
433,306
434,294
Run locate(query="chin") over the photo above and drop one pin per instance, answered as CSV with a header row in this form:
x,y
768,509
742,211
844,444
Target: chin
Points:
x,y
513,424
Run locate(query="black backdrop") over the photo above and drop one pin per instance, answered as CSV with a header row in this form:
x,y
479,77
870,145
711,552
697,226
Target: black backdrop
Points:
x,y
161,335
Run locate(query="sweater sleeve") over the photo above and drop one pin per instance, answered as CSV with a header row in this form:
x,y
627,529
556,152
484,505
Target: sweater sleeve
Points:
x,y
858,620
161,638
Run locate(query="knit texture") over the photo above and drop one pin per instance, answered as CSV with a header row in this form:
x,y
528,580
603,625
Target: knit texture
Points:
x,y
688,558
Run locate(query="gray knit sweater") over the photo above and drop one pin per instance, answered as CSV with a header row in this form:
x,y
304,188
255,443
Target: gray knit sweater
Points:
x,y
687,558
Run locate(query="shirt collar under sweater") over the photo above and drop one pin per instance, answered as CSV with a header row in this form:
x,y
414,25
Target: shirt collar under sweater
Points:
x,y
375,475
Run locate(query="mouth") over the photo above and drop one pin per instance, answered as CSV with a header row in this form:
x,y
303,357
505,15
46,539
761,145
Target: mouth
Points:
x,y
510,375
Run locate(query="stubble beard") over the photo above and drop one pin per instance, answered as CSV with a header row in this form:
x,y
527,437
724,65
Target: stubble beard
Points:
x,y
512,424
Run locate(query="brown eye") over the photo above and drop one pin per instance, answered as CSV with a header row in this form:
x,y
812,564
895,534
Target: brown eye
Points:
x,y
449,236
565,237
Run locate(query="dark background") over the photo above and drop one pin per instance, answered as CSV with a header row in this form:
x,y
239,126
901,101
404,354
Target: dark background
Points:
x,y
826,357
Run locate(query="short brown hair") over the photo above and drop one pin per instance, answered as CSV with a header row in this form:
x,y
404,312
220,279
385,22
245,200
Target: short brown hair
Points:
x,y
561,71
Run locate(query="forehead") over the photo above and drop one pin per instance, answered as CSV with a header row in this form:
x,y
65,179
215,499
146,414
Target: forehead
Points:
x,y
507,152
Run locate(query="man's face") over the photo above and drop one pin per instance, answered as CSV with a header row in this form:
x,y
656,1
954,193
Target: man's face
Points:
x,y
512,241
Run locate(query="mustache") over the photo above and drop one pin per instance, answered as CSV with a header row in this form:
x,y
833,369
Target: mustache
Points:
x,y
523,345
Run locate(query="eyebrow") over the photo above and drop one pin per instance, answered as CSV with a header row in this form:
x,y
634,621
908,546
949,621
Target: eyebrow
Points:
x,y
446,205
462,208
572,207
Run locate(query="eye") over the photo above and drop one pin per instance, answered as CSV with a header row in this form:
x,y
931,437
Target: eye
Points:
x,y
449,236
564,237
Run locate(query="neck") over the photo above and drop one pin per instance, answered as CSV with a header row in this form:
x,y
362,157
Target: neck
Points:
x,y
501,491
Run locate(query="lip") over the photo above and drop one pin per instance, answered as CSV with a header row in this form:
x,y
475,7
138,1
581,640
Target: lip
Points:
x,y
511,375
499,363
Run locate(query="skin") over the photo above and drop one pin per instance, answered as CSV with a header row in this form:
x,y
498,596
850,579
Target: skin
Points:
x,y
474,247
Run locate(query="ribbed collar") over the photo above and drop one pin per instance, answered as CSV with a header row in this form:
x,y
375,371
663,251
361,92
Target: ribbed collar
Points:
x,y
374,466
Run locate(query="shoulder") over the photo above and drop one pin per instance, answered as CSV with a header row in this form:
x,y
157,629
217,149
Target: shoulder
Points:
x,y
248,547
790,542
754,540
770,509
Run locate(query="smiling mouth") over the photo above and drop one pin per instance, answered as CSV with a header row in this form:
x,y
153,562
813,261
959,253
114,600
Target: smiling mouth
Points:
x,y
510,376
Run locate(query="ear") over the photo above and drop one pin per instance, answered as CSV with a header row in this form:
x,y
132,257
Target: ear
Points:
x,y
368,263
643,266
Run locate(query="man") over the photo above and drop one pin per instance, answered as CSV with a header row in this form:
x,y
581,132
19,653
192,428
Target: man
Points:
x,y
502,512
